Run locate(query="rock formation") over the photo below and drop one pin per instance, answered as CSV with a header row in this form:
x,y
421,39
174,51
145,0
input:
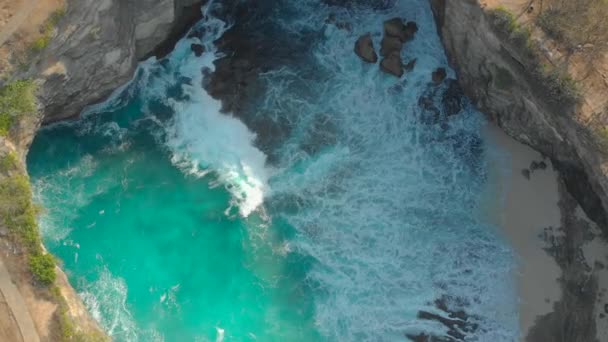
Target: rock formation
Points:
x,y
392,64
396,33
522,107
100,44
364,48
198,49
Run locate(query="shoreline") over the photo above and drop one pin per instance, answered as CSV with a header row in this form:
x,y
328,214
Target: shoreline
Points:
x,y
527,204
561,256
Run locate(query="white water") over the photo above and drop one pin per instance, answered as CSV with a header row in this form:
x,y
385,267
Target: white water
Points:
x,y
200,137
385,207
389,211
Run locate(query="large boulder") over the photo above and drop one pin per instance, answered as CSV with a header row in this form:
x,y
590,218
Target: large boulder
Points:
x,y
396,28
391,64
364,48
389,45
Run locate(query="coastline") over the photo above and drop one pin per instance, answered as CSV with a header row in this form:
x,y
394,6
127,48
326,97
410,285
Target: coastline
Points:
x,y
557,248
527,205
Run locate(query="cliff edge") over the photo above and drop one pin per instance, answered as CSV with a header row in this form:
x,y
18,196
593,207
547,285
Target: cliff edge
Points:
x,y
512,85
549,94
57,57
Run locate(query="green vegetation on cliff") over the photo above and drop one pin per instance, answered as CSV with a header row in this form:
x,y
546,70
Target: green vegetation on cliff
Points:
x,y
562,88
577,24
47,31
17,99
18,214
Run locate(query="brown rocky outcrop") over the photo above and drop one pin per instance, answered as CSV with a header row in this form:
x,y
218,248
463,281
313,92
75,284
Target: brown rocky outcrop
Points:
x,y
364,48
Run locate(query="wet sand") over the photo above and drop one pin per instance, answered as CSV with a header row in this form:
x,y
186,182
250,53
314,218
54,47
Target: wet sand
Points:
x,y
528,203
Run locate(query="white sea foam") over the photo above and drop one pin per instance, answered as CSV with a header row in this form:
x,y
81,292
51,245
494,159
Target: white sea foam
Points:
x,y
106,300
200,137
387,211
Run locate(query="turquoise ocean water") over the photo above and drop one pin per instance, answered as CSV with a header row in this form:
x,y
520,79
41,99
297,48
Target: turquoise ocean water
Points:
x,y
174,224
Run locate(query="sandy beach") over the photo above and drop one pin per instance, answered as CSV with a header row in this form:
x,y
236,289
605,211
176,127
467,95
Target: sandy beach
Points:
x,y
529,205
529,215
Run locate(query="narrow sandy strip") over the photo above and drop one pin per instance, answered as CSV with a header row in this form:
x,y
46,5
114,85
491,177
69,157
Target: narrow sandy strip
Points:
x,y
525,208
17,305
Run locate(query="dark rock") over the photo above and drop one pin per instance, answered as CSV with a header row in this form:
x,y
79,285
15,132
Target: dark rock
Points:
x,y
422,337
439,75
331,18
346,26
198,33
525,173
453,98
410,29
342,25
396,28
364,48
372,4
198,49
430,112
389,45
578,185
410,65
534,165
391,64
542,165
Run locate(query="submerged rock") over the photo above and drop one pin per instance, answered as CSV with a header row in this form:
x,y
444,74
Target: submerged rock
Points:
x,y
391,64
373,4
364,48
342,25
439,75
198,49
453,98
410,65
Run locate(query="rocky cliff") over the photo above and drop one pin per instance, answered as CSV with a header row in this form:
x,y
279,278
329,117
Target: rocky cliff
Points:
x,y
99,44
499,79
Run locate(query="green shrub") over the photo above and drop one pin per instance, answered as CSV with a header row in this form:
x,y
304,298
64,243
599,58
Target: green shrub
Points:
x,y
18,212
562,87
41,43
8,162
47,31
503,19
42,266
16,100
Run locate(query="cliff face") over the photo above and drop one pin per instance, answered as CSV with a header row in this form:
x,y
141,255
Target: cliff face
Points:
x,y
497,78
98,47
